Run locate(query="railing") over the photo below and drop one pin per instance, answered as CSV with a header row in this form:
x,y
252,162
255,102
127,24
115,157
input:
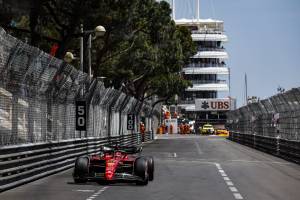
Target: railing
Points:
x,y
277,116
206,65
207,81
221,49
287,149
207,31
271,125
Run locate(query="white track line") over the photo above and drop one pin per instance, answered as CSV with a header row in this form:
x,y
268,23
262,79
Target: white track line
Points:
x,y
198,148
237,196
97,193
233,189
229,183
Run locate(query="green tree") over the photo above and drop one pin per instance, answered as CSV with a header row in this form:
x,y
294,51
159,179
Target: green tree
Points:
x,y
141,53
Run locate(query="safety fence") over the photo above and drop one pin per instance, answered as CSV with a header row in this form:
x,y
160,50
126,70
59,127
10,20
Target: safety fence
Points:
x,y
22,164
277,116
287,149
38,95
271,125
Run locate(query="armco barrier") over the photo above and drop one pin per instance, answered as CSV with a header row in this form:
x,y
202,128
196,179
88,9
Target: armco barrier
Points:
x,y
287,149
25,163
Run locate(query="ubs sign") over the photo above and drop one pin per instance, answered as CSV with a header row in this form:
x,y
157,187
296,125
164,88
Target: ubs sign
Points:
x,y
212,104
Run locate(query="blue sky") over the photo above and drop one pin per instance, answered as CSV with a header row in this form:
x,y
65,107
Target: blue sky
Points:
x,y
264,41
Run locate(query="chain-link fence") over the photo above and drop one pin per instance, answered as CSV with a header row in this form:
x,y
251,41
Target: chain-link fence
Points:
x,y
38,94
277,116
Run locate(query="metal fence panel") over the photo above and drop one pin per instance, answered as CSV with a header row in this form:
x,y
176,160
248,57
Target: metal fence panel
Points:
x,y
277,116
38,94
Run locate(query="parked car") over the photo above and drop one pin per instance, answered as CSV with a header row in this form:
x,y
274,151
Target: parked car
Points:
x,y
207,129
222,132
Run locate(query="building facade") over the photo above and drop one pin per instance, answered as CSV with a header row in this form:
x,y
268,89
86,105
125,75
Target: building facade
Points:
x,y
207,101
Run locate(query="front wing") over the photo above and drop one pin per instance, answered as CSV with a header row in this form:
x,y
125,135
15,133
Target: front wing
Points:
x,y
116,177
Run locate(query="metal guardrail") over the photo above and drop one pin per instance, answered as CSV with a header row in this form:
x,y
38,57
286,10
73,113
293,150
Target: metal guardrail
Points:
x,y
22,164
287,149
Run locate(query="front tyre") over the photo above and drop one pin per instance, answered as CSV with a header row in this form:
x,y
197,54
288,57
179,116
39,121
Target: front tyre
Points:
x,y
141,170
81,170
150,162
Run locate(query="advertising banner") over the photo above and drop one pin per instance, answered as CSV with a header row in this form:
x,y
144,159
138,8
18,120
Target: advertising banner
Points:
x,y
212,104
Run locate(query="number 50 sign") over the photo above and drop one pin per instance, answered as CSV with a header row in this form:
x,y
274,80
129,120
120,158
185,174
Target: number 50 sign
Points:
x,y
130,122
80,115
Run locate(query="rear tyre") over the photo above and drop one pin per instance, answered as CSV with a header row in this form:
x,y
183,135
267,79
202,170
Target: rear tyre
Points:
x,y
81,170
150,162
141,170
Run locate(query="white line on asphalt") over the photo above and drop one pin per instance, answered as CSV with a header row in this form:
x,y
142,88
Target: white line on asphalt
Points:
x,y
223,174
198,148
230,184
97,193
237,196
233,189
218,166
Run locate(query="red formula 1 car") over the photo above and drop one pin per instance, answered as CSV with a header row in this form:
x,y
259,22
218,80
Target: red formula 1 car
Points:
x,y
115,163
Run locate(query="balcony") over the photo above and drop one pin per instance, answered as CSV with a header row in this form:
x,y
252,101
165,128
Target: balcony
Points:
x,y
207,81
213,36
207,31
206,70
209,87
211,54
210,48
208,65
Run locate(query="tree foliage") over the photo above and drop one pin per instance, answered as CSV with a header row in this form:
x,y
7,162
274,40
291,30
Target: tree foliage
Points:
x,y
142,52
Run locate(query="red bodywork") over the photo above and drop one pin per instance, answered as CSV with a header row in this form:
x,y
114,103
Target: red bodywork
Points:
x,y
110,163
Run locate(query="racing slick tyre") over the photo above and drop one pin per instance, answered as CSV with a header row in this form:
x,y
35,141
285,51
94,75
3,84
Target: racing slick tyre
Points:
x,y
150,161
141,170
81,169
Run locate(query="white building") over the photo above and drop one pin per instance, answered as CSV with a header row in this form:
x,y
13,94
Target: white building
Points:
x,y
207,100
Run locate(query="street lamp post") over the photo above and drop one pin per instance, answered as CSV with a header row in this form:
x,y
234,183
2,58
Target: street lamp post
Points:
x,y
89,55
99,32
81,47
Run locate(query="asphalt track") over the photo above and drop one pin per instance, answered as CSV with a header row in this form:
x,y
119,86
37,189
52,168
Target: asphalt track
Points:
x,y
187,168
